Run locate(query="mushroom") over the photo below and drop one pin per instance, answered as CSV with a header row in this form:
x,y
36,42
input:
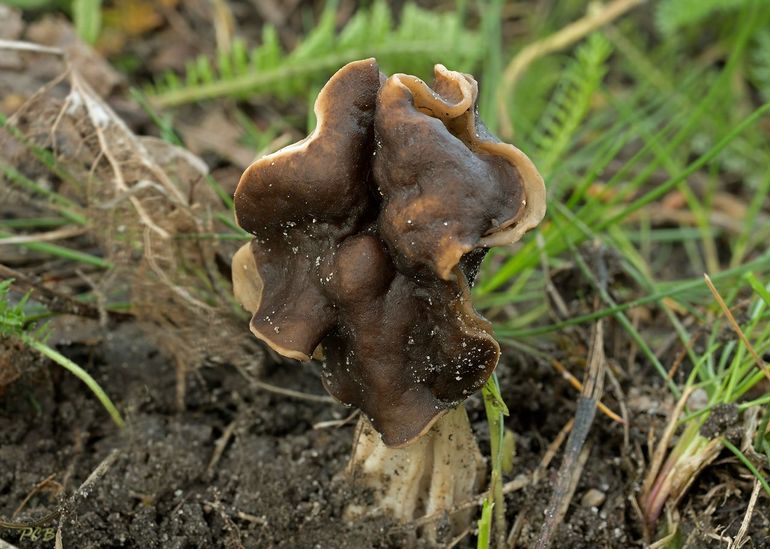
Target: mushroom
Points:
x,y
449,187
367,238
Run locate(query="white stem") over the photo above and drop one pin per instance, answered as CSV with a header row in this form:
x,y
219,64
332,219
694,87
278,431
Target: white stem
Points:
x,y
434,473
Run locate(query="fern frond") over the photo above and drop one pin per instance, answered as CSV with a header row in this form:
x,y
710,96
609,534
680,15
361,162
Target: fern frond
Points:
x,y
570,102
421,39
673,15
760,71
12,317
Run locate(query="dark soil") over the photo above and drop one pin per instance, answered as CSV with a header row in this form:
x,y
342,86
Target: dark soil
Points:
x,y
277,481
273,486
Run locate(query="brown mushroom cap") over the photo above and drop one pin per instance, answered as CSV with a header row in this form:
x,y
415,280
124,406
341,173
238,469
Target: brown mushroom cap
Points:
x,y
383,284
301,201
448,185
404,351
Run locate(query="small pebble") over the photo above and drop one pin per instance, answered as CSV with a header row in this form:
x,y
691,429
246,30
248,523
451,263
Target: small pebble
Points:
x,y
593,498
698,400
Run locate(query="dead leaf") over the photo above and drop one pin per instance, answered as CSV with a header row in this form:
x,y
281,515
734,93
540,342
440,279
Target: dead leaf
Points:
x,y
59,33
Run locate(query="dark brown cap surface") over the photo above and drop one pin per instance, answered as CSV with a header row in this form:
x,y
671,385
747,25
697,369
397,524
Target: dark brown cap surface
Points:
x,y
366,234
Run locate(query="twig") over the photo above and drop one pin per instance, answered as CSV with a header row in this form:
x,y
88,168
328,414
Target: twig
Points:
x,y
597,16
101,299
219,448
248,517
558,300
336,422
81,492
150,256
475,501
518,526
550,452
54,301
230,526
77,450
224,25
682,354
621,398
292,393
457,539
37,488
96,474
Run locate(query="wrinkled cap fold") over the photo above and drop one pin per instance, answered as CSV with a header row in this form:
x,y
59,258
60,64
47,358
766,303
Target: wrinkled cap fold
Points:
x,y
448,186
404,351
368,234
299,203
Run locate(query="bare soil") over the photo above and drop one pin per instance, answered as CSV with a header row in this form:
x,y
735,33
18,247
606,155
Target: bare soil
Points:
x,y
244,467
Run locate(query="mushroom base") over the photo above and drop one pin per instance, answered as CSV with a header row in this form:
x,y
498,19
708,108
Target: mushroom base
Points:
x,y
434,474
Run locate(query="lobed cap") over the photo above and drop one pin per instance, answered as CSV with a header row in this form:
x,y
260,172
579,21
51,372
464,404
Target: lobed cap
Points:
x,y
367,236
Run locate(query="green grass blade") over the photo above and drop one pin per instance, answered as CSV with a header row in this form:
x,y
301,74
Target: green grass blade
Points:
x,y
78,372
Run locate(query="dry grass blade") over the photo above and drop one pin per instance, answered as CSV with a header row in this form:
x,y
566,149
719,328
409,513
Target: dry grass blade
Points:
x,y
565,489
48,236
576,454
736,328
575,382
740,539
597,17
137,192
292,393
18,45
101,470
662,447
35,490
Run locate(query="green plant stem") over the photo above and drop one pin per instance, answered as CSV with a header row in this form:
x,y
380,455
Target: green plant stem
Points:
x,y
495,410
750,466
675,289
45,156
65,206
686,450
78,372
33,223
